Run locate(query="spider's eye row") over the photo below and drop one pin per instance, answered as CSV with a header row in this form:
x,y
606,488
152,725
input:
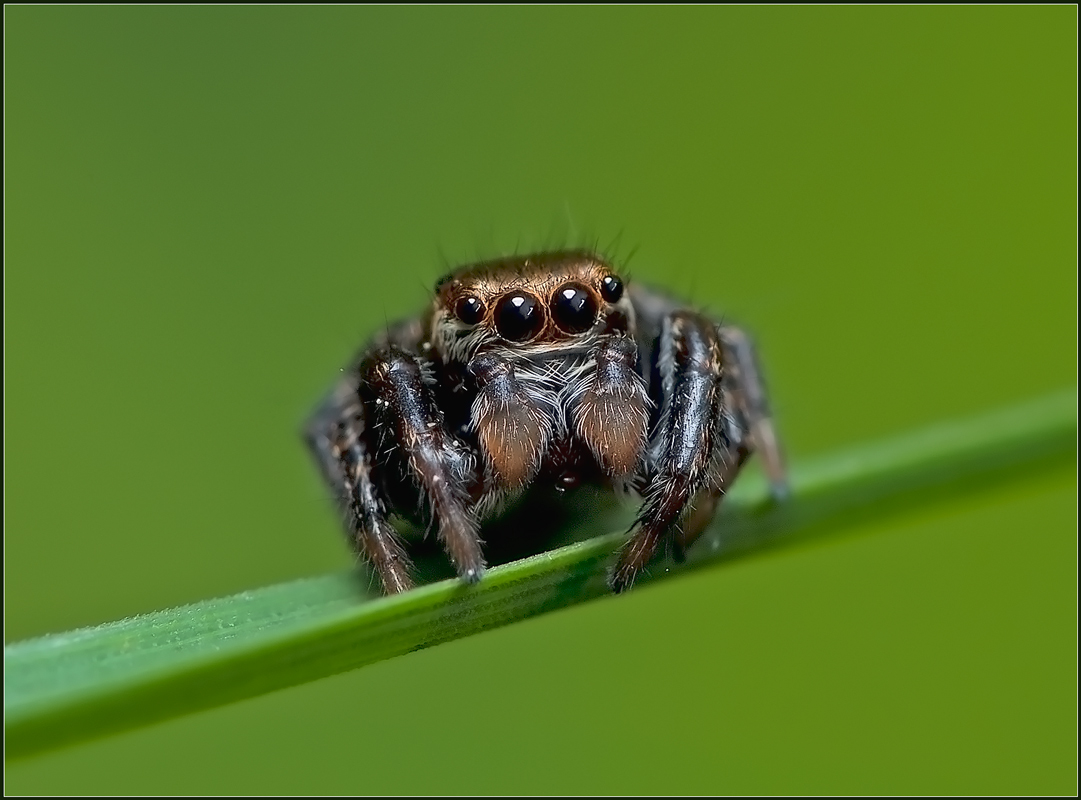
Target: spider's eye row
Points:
x,y
574,308
518,317
611,288
470,310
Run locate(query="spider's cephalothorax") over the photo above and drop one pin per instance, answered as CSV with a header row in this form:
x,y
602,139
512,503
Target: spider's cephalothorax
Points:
x,y
542,369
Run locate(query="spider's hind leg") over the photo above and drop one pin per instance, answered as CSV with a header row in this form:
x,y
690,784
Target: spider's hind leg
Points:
x,y
747,399
748,428
336,435
703,506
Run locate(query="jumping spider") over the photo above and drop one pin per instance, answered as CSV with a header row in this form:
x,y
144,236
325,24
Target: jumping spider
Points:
x,y
533,370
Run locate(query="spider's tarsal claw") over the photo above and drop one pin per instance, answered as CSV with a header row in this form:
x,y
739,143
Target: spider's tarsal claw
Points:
x,y
780,491
472,575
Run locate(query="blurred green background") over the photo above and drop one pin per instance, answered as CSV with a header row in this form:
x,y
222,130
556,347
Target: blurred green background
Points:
x,y
208,209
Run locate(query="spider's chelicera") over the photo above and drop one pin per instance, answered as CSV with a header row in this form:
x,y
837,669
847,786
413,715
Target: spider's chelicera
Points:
x,y
541,369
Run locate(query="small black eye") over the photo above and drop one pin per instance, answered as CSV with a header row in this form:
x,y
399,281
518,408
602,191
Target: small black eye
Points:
x,y
574,308
470,310
518,317
611,288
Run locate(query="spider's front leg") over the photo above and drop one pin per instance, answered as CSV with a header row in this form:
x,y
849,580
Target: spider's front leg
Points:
x,y
712,411
395,389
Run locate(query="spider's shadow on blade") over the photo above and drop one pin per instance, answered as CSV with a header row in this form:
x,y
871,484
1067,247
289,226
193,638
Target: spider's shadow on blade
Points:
x,y
538,522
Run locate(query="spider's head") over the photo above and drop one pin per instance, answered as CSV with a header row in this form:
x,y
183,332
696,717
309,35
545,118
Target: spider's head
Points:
x,y
531,306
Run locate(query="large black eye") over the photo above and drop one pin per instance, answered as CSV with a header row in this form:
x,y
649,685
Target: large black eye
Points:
x,y
611,288
518,317
470,310
574,308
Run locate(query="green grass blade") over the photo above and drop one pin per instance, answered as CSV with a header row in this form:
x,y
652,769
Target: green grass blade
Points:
x,y
81,684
